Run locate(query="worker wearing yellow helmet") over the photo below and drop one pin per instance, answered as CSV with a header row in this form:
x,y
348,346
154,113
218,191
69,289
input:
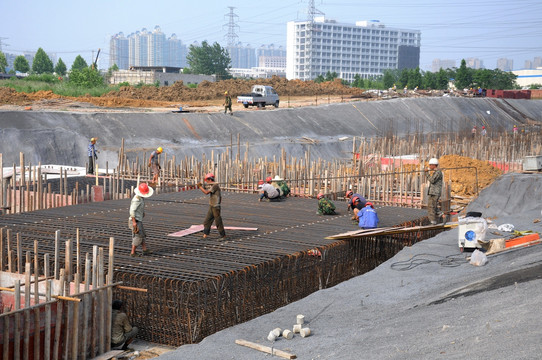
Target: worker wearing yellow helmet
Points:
x,y
154,164
92,155
227,103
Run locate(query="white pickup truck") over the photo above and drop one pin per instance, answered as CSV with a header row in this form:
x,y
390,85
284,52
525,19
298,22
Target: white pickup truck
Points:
x,y
260,96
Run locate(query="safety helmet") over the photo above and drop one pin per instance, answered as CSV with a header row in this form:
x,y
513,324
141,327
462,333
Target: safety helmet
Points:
x,y
319,196
433,161
93,139
160,150
210,176
368,203
143,190
355,200
349,193
268,179
225,93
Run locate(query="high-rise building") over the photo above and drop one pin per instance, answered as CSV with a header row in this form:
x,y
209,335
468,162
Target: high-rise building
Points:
x,y
146,48
442,64
505,64
537,62
118,51
474,63
366,48
242,56
528,64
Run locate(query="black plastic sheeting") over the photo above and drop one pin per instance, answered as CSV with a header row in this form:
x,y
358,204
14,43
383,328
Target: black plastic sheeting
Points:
x,y
62,137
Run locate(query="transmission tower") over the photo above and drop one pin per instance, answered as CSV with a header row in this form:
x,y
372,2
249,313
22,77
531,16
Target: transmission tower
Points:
x,y
232,36
312,11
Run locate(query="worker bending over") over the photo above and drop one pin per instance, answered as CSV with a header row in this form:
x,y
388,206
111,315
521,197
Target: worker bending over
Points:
x,y
325,206
368,218
268,191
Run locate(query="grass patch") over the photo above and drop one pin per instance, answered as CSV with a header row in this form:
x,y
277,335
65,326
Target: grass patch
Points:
x,y
58,87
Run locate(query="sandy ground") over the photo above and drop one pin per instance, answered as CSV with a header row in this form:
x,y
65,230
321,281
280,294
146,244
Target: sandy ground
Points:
x,y
427,302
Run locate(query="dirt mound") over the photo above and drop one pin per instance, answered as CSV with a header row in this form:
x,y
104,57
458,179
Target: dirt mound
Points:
x,y
215,90
211,93
464,180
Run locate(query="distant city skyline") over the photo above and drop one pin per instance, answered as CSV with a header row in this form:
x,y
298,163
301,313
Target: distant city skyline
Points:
x,y
459,30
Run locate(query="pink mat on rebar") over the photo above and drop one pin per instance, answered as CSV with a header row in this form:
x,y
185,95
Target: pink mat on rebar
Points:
x,y
197,228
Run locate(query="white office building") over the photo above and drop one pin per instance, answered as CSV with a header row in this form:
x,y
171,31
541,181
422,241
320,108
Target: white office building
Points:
x,y
366,48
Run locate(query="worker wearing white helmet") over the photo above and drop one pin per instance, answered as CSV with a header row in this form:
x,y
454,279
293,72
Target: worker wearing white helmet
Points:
x,y
434,176
92,155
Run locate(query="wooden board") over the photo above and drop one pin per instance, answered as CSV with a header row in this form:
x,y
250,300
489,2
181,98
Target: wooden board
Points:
x,y
197,228
266,349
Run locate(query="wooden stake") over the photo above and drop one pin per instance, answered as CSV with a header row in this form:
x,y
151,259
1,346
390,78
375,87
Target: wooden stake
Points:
x,y
265,349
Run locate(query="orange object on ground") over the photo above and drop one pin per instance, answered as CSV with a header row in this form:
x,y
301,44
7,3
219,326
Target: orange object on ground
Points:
x,y
28,108
522,240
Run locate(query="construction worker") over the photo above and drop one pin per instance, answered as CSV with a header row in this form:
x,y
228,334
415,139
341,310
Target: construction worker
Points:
x,y
213,213
268,191
227,103
154,164
484,131
515,131
325,206
122,332
137,213
368,218
434,176
92,155
473,131
281,185
350,196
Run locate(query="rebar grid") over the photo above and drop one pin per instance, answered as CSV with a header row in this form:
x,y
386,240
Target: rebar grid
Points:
x,y
197,287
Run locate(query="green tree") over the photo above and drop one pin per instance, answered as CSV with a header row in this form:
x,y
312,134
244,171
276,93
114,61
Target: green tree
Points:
x,y
21,64
87,78
463,76
42,64
403,78
319,79
442,79
388,79
358,81
79,63
209,60
3,62
330,76
503,80
429,80
60,67
414,78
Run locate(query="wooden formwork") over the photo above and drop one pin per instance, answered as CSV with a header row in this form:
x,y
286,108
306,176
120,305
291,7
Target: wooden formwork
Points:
x,y
51,310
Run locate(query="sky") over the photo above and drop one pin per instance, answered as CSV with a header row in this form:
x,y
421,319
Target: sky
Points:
x,y
454,30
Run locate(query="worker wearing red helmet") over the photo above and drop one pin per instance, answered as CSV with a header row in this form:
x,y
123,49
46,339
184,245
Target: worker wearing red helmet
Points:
x,y
137,212
368,218
268,191
360,204
213,214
